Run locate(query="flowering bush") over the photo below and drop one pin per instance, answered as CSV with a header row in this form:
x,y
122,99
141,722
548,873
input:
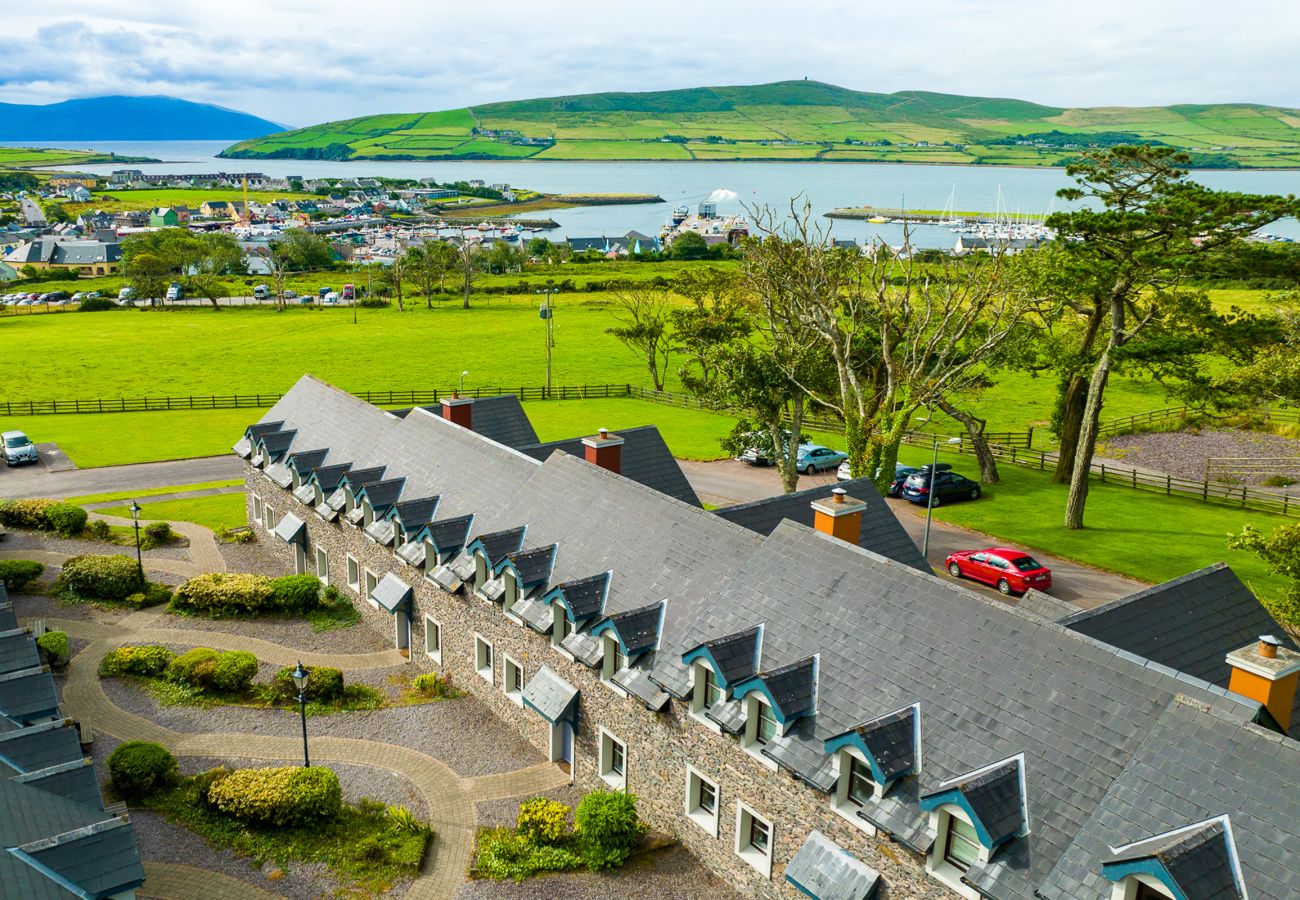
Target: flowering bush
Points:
x,y
542,820
149,660
93,577
289,795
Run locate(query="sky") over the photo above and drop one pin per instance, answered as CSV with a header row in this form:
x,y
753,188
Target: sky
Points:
x,y
297,62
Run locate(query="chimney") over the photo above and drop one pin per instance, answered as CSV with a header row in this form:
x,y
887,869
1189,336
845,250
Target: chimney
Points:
x,y
1267,673
840,516
605,450
459,409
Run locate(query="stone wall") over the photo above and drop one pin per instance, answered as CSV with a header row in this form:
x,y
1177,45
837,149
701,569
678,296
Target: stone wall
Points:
x,y
659,745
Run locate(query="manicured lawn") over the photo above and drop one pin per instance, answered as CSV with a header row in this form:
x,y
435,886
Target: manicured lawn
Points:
x,y
1145,535
112,439
151,492
690,434
214,512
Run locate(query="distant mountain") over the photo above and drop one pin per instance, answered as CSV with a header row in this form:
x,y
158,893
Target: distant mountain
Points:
x,y
793,120
128,119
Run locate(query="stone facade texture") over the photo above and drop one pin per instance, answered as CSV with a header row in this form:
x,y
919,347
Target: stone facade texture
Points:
x,y
659,745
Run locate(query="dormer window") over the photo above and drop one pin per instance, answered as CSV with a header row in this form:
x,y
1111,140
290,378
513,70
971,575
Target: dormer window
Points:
x,y
765,728
706,693
480,569
511,590
614,660
761,728
560,626
859,786
961,843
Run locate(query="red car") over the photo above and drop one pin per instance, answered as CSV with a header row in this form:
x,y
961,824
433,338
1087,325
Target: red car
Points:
x,y
1010,571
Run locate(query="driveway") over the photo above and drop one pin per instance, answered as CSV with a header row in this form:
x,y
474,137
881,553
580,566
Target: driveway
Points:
x,y
727,482
40,481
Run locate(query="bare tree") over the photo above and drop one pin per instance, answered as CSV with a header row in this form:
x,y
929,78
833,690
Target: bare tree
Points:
x,y
644,328
469,253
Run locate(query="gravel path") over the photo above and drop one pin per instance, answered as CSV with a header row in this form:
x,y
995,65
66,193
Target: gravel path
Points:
x,y
1183,453
295,633
462,733
45,606
253,557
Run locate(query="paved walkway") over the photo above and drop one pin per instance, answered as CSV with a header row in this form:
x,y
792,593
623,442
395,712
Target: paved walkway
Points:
x,y
167,881
204,552
38,481
450,799
177,495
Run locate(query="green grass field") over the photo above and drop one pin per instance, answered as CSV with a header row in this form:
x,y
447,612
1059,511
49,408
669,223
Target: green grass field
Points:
x,y
28,157
215,512
151,492
191,197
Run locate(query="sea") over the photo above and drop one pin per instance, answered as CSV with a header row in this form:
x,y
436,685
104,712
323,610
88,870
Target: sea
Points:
x,y
736,187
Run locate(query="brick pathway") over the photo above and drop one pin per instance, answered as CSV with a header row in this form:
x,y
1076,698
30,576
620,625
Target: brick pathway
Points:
x,y
203,544
449,799
166,881
181,567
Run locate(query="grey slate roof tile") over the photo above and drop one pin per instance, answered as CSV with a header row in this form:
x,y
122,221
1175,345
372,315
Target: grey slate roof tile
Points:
x,y
824,870
74,780
645,459
18,651
450,535
585,597
27,694
100,859
39,746
638,629
533,566
497,544
1200,860
550,695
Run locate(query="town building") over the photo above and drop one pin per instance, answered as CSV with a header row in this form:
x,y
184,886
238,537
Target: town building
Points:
x,y
60,838
79,256
785,686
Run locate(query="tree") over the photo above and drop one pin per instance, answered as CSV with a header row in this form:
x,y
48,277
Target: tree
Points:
x,y
719,313
147,270
1273,374
539,247
1138,238
428,264
645,328
1280,551
201,263
207,260
468,254
295,250
57,213
502,257
392,277
687,246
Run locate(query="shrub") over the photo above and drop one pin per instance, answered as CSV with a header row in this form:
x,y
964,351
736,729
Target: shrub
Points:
x,y
430,684
501,853
244,535
97,304
65,519
159,532
403,819
16,574
233,671
138,769
220,593
324,685
99,530
289,795
194,667
54,644
149,660
542,820
153,594
204,781
99,577
295,593
608,828
373,303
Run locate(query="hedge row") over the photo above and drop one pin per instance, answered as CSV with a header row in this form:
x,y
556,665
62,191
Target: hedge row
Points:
x,y
229,672
324,685
138,769
16,574
147,660
288,795
64,519
93,577
220,593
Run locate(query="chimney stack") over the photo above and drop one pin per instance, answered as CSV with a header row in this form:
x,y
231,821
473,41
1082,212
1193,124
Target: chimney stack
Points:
x,y
459,409
604,450
840,516
1267,673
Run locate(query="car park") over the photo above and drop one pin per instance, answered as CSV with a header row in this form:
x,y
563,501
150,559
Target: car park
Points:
x,y
1010,571
814,458
945,484
18,448
895,488
330,299
752,453
291,295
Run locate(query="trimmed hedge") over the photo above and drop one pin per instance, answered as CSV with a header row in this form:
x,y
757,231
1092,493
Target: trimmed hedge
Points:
x,y
542,821
205,668
160,532
607,828
149,660
138,769
94,577
64,519
234,671
16,574
54,645
220,593
288,795
324,684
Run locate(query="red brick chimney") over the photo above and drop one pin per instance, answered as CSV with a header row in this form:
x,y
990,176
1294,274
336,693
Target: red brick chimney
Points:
x,y
605,450
459,409
840,516
1267,673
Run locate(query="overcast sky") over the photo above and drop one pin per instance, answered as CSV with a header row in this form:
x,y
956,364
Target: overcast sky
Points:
x,y
303,61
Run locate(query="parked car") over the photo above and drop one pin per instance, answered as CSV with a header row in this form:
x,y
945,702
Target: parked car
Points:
x,y
1010,571
291,295
175,292
261,292
18,448
90,295
895,487
125,295
947,485
323,292
349,293
78,296
752,454
330,299
814,458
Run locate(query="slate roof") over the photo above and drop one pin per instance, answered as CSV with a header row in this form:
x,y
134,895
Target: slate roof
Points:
x,y
27,694
75,780
450,534
1201,859
290,528
8,619
1195,763
585,596
38,747
329,477
98,858
414,513
532,566
892,741
497,544
391,592
824,870
383,493
638,629
501,419
17,651
645,459
550,695
881,530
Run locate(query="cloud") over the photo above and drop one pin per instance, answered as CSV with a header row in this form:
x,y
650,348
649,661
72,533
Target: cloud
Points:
x,y
299,62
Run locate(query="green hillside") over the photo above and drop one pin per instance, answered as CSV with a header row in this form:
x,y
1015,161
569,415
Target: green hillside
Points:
x,y
793,120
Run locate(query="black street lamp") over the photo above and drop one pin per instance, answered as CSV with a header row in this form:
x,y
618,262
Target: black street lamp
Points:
x,y
135,521
299,677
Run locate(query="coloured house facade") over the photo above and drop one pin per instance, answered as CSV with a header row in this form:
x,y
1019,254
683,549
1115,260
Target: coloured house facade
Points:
x,y
808,714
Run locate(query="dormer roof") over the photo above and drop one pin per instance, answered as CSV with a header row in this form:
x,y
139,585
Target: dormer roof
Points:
x,y
413,514
532,567
1197,862
637,630
380,494
891,743
496,545
304,461
584,597
449,535
330,477
733,657
791,690
994,798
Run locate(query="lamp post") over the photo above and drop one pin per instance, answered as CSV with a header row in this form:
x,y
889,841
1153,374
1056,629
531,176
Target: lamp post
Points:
x,y
462,381
299,676
929,497
548,316
135,522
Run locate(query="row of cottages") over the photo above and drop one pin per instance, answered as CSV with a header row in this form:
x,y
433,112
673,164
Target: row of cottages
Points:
x,y
60,840
785,686
83,257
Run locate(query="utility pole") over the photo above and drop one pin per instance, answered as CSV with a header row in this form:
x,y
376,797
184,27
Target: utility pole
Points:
x,y
547,313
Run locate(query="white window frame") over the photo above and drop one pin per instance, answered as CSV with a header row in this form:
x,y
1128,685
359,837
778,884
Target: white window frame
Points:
x,y
484,659
936,863
436,653
268,517
257,509
608,774
515,695
708,821
1127,887
354,574
699,672
749,738
322,571
759,860
368,587
840,801
560,627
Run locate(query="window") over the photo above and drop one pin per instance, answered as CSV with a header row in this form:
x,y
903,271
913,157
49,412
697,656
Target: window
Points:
x,y
760,729
354,574
560,626
322,565
855,787
702,800
433,639
480,570
483,659
754,839
511,587
268,517
257,508
767,728
512,680
705,694
861,785
614,659
613,760
962,847
371,580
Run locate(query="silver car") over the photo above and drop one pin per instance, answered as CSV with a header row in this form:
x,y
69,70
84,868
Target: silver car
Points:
x,y
18,448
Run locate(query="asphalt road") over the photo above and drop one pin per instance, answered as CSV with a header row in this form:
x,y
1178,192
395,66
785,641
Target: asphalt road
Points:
x,y
39,481
728,482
